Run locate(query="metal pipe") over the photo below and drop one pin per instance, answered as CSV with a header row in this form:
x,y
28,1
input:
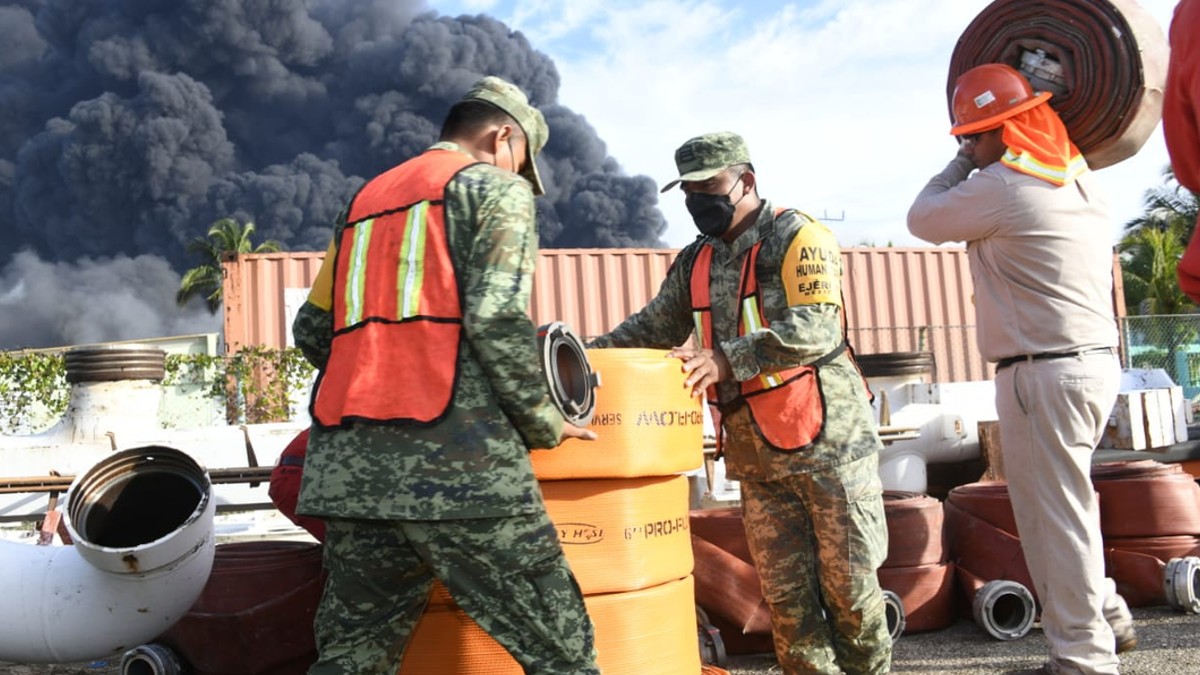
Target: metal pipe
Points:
x,y
142,525
53,483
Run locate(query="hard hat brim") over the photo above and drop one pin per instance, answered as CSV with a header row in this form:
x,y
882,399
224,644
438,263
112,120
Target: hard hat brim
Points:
x,y
995,120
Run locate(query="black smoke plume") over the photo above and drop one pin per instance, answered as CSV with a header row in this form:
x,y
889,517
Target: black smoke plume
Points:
x,y
129,126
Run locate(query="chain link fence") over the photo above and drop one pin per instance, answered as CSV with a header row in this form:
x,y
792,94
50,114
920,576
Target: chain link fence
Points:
x,y
1170,342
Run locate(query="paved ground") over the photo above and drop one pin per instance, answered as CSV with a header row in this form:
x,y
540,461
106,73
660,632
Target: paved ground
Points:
x,y
1169,645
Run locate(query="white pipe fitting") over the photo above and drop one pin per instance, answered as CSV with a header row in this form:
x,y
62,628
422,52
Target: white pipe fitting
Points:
x,y
1004,609
1181,582
947,418
142,525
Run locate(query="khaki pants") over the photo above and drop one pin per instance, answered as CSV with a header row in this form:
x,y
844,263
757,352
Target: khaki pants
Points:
x,y
1052,413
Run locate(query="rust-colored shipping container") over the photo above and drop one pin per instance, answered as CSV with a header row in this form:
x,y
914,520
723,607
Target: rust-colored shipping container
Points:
x,y
897,299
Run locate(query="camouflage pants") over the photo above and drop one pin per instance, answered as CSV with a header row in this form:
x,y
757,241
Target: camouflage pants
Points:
x,y
817,540
508,574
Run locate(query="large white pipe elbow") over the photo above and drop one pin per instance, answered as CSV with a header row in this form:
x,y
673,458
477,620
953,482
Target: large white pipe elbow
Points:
x,y
142,525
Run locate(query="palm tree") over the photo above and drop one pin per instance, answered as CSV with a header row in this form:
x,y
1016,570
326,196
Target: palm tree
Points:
x,y
1152,246
1166,205
1150,251
1149,256
226,235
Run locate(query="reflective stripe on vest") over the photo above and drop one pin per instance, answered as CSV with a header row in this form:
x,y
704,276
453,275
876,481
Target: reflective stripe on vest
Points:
x,y
1027,164
397,319
750,313
786,406
410,271
752,320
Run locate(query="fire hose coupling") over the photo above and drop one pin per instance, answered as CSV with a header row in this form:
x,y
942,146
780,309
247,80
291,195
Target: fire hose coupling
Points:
x,y
571,378
1181,582
1004,609
893,609
151,659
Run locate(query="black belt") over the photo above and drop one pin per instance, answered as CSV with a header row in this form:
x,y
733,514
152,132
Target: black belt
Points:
x,y
1006,362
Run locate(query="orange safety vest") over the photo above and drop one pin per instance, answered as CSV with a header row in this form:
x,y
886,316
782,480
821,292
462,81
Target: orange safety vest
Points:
x,y
787,407
396,312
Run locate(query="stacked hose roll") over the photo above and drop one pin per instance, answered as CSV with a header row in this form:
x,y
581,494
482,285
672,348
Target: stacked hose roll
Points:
x,y
916,569
254,616
984,546
1150,519
646,421
1105,61
620,507
727,584
916,576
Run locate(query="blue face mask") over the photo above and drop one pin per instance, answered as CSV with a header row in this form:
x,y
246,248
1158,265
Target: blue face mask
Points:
x,y
713,214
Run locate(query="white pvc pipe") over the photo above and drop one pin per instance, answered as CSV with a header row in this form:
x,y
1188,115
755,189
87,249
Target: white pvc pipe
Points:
x,y
142,525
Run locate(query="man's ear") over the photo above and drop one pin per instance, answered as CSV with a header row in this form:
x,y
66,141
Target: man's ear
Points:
x,y
504,133
750,181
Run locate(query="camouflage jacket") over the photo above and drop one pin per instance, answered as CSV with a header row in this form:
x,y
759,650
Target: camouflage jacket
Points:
x,y
799,332
475,462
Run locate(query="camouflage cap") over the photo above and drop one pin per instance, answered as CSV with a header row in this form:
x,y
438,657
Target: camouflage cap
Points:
x,y
703,157
509,98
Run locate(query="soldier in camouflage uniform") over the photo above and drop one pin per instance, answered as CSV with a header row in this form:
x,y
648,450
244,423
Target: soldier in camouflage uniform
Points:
x,y
454,499
814,517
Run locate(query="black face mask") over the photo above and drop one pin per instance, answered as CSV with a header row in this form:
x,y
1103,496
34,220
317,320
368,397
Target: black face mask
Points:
x,y
713,214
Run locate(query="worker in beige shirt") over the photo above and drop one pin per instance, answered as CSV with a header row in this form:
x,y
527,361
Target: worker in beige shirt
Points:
x,y
1038,238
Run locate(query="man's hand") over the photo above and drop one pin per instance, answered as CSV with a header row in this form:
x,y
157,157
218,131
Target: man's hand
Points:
x,y
705,367
572,431
966,148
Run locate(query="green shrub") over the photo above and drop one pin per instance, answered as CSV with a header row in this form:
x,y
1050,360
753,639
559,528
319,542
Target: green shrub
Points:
x,y
255,385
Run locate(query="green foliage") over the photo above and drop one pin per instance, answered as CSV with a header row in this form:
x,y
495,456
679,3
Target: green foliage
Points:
x,y
259,383
1152,246
225,236
255,385
28,379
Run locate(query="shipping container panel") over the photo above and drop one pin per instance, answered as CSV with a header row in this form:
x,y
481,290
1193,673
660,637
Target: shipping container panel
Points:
x,y
897,299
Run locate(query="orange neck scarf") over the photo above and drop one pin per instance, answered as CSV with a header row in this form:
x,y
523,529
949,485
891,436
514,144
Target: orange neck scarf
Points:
x,y
1038,145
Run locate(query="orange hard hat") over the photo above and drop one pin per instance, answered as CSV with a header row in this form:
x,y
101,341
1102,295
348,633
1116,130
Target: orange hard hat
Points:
x,y
986,95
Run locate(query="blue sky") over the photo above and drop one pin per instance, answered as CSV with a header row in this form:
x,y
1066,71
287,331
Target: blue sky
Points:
x,y
841,101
